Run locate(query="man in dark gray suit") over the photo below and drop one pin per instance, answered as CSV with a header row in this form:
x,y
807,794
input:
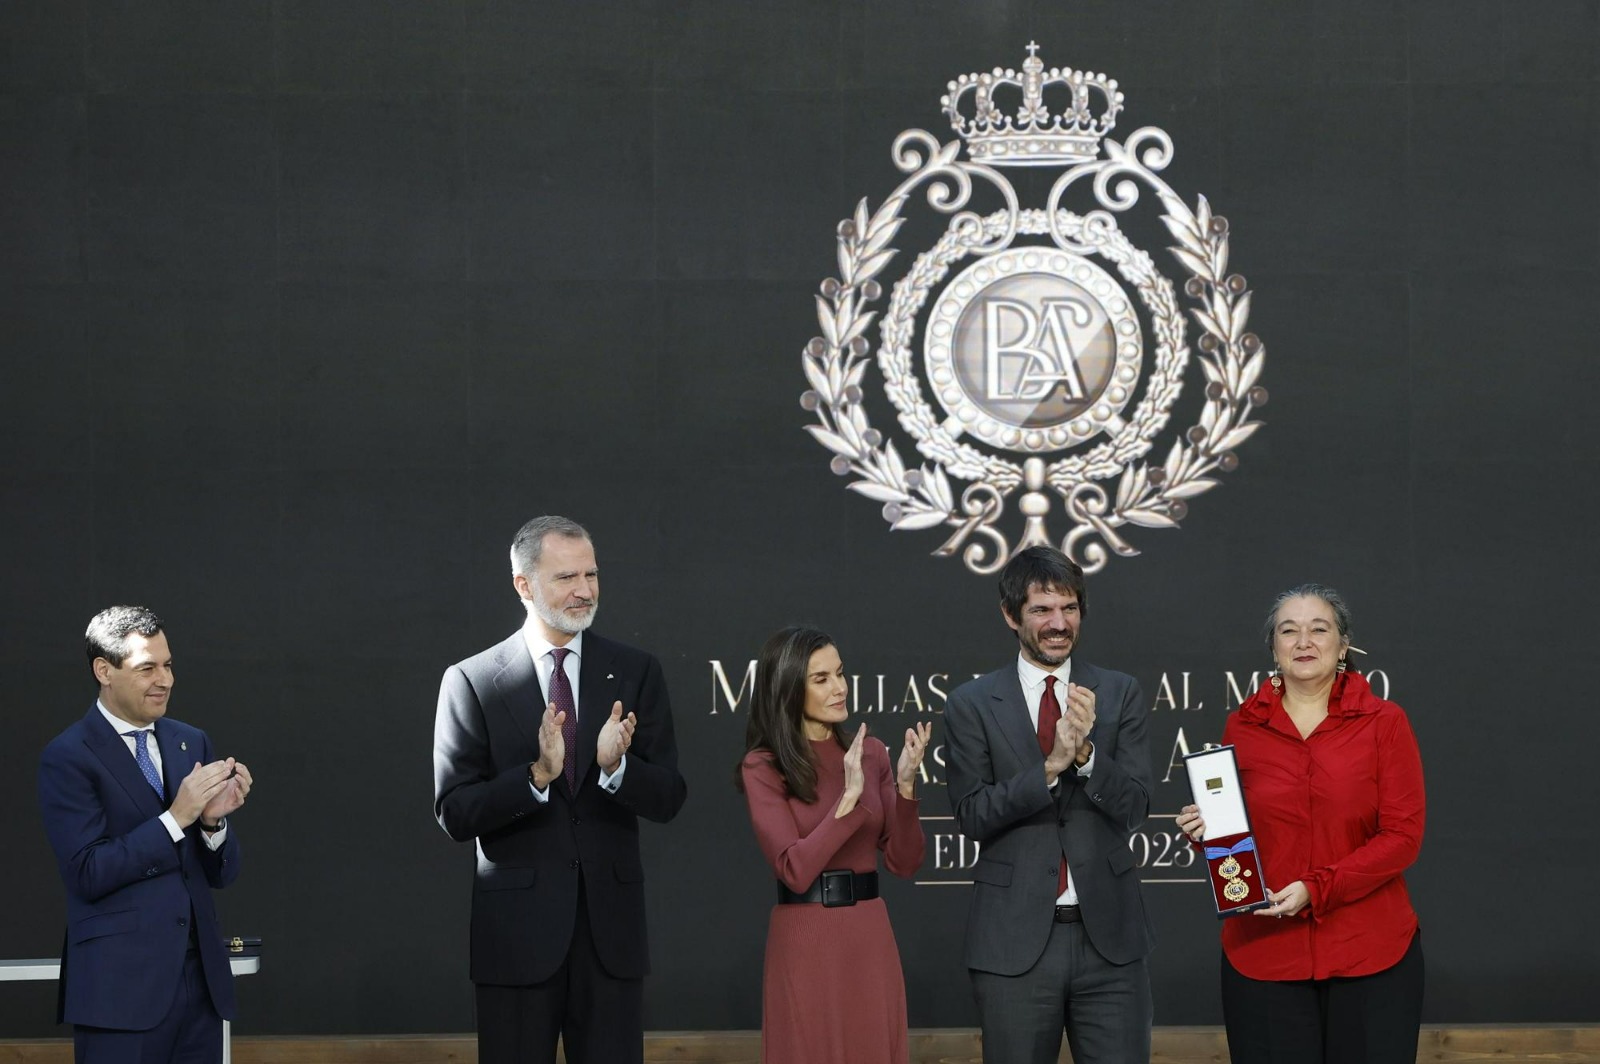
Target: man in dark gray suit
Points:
x,y
1050,774
548,748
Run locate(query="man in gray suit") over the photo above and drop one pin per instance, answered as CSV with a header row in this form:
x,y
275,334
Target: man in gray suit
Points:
x,y
547,749
1050,773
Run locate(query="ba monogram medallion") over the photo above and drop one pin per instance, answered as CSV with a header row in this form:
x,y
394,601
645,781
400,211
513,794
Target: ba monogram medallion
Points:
x,y
1033,351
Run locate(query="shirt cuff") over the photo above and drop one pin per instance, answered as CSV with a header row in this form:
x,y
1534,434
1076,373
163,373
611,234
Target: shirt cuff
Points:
x,y
215,839
171,823
542,797
1088,766
610,781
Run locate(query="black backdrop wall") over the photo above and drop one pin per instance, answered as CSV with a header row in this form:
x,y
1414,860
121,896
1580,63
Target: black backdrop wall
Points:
x,y
307,306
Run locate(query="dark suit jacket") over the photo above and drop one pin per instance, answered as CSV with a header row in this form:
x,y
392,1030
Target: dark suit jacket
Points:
x,y
531,853
131,891
998,793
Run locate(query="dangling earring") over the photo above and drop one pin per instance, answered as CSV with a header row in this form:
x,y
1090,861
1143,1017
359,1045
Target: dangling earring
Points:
x,y
1275,679
1343,665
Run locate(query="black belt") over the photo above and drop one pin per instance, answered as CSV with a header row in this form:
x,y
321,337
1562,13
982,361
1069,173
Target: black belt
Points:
x,y
833,889
1068,914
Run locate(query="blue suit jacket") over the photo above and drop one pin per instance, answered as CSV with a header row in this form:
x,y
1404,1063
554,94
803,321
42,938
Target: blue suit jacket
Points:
x,y
131,891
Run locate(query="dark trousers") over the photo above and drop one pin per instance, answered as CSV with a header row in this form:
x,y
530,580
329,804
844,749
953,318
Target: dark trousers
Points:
x,y
1104,1009
1365,1019
191,1032
598,1017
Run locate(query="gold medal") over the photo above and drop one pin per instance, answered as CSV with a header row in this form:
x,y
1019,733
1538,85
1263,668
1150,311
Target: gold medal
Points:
x,y
1237,890
1229,868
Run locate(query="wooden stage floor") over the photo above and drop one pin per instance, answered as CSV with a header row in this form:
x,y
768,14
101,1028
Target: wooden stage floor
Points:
x,y
1440,1044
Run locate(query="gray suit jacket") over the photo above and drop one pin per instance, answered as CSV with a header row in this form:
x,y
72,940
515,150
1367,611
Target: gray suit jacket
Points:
x,y
998,793
532,855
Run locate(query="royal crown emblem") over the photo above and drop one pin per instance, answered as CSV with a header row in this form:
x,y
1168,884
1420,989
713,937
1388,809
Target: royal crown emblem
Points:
x,y
1052,348
1035,137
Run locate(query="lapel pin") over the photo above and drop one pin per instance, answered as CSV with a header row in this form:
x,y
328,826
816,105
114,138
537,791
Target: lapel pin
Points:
x,y
183,746
610,676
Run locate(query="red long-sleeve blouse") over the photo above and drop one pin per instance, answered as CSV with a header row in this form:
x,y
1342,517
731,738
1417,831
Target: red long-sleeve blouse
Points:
x,y
1341,810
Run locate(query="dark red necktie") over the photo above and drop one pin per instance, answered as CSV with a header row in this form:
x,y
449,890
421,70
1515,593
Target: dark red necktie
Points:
x,y
561,695
1049,715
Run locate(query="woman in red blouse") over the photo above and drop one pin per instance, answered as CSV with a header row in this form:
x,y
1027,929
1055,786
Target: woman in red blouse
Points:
x,y
1331,972
823,806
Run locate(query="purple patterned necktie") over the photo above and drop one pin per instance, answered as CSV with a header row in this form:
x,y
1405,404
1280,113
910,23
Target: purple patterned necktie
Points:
x,y
141,754
561,695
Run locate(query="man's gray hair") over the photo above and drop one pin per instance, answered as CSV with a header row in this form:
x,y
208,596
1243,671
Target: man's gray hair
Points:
x,y
108,632
528,543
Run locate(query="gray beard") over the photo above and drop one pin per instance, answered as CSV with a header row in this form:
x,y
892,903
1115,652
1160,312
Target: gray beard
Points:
x,y
559,620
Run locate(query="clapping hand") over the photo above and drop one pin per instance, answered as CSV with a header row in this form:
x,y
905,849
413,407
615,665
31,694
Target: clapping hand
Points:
x,y
1064,750
1080,710
230,796
616,735
911,753
199,787
552,748
854,779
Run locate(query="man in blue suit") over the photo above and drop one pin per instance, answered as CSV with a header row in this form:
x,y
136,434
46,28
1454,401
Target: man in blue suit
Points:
x,y
136,810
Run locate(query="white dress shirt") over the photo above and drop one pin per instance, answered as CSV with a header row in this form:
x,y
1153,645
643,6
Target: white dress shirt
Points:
x,y
213,839
544,663
1033,678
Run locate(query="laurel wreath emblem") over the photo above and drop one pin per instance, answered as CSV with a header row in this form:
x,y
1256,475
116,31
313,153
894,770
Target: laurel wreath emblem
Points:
x,y
1146,495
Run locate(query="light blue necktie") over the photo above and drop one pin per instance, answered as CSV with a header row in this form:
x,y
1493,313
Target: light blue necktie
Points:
x,y
141,754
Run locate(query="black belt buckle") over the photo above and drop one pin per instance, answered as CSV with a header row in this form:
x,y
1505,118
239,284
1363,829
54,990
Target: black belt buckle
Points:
x,y
838,889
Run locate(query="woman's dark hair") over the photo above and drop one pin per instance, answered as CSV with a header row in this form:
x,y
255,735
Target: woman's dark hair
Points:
x,y
1045,568
777,709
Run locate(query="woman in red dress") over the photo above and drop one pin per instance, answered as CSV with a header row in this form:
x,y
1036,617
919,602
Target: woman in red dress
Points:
x,y
1331,972
823,806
